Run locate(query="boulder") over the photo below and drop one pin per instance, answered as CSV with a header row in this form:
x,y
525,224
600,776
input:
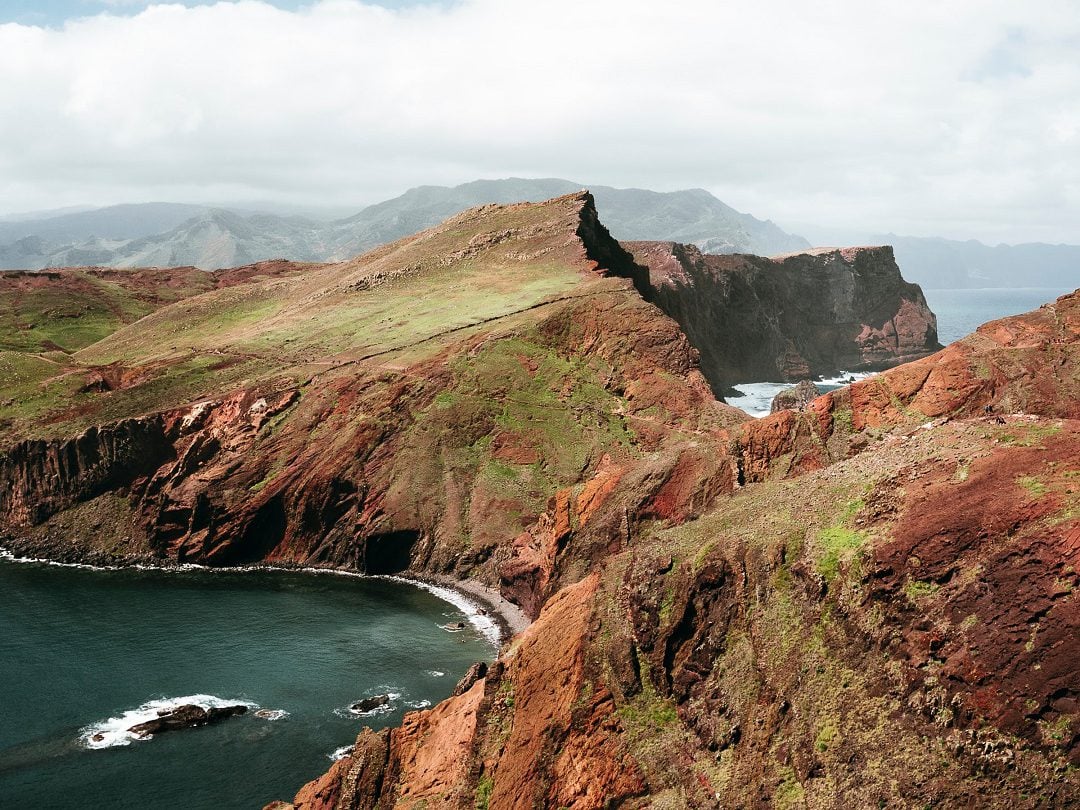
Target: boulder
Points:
x,y
371,703
186,716
795,399
475,673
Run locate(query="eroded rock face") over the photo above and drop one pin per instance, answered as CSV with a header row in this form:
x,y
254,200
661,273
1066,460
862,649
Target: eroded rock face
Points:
x,y
537,730
789,317
1015,365
897,624
981,570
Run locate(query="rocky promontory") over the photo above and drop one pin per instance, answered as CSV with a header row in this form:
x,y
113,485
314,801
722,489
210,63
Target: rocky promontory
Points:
x,y
893,624
789,317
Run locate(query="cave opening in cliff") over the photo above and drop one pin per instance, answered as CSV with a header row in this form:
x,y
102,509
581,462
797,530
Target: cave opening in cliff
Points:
x,y
262,535
390,552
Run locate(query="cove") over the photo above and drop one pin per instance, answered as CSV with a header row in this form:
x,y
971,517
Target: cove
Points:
x,y
82,650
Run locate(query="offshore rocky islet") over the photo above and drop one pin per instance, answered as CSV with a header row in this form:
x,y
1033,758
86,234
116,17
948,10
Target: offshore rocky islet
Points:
x,y
540,440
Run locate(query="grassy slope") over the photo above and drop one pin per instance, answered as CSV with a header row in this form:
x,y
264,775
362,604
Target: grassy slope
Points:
x,y
399,303
844,698
46,317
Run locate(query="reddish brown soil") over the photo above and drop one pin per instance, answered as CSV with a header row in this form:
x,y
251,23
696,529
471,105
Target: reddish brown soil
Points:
x,y
999,553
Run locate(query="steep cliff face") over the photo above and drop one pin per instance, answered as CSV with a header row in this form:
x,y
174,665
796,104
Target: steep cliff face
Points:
x,y
789,317
480,400
895,628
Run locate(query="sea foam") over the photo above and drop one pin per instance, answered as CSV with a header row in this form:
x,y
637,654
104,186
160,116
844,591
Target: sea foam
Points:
x,y
114,731
756,398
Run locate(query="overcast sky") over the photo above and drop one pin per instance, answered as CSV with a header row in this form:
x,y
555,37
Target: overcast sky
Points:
x,y
958,118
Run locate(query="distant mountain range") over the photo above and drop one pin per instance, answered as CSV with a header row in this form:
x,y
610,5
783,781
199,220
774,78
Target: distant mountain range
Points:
x,y
171,234
936,263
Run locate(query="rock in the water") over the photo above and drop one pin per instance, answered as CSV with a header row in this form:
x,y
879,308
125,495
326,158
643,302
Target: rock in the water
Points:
x,y
186,716
368,704
795,399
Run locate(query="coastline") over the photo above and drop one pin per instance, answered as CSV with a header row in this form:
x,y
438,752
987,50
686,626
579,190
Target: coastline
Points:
x,y
510,617
491,615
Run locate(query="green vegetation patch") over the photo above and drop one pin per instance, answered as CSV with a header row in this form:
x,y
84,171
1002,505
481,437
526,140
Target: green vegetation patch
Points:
x,y
843,420
1021,435
838,542
1032,485
484,788
918,589
74,309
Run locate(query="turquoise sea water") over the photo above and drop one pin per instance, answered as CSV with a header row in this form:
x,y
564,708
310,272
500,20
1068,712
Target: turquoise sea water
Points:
x,y
81,648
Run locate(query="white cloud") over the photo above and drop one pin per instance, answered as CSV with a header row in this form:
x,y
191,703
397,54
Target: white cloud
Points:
x,y
926,117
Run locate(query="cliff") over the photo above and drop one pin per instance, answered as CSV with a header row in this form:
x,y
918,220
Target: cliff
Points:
x,y
728,612
789,317
895,625
463,402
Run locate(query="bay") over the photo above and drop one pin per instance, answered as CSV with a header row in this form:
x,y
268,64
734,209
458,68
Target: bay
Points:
x,y
80,649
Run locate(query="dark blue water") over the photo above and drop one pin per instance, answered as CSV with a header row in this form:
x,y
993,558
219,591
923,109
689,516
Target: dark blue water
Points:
x,y
960,312
78,647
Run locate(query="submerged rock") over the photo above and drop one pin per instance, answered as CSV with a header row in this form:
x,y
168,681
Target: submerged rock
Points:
x,y
187,716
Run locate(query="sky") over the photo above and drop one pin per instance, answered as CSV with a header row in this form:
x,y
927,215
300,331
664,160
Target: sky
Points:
x,y
958,119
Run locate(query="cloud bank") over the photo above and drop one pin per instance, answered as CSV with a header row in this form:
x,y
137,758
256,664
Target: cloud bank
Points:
x,y
958,119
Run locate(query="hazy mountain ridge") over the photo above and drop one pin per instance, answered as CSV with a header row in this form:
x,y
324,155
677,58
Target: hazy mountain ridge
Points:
x,y
210,238
934,262
164,234
949,263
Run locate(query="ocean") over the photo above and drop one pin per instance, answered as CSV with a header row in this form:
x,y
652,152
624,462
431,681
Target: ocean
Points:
x,y
959,313
90,652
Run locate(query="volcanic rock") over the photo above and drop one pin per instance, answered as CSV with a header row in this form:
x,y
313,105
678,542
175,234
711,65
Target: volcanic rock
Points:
x,y
794,399
789,317
186,716
371,703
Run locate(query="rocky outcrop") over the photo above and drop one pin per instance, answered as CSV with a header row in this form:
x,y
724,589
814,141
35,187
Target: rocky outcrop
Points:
x,y
41,477
368,704
795,399
537,730
1016,365
896,625
789,317
517,453
187,716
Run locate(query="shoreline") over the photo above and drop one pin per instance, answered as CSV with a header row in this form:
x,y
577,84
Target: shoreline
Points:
x,y
510,617
487,611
